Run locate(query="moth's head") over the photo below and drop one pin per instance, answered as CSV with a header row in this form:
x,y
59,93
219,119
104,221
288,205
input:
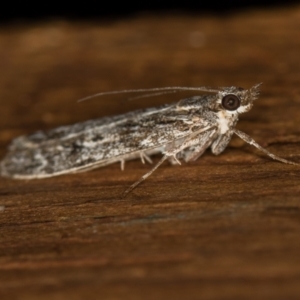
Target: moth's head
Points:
x,y
237,100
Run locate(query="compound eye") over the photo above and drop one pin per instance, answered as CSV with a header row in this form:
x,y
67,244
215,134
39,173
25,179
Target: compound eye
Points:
x,y
231,102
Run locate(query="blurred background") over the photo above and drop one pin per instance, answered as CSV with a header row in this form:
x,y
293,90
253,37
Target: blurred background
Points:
x,y
95,10
52,55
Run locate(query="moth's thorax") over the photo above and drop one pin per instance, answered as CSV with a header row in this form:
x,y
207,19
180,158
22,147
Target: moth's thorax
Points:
x,y
226,120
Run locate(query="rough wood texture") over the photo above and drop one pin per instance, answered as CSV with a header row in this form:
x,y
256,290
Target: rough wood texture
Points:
x,y
221,228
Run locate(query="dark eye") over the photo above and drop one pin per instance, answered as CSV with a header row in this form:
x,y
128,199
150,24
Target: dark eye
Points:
x,y
231,102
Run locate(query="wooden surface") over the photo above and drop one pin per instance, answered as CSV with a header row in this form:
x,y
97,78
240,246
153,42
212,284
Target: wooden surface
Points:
x,y
225,227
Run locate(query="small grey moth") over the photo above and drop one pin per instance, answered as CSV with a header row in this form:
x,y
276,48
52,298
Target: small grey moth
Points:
x,y
180,131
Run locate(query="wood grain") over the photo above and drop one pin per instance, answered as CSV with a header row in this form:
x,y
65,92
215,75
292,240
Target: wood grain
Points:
x,y
224,227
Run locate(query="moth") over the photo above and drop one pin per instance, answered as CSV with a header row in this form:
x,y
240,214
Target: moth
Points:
x,y
180,131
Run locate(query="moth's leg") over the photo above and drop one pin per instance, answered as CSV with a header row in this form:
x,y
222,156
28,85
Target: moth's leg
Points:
x,y
144,156
122,161
250,141
186,150
205,140
195,152
221,142
169,153
144,176
173,160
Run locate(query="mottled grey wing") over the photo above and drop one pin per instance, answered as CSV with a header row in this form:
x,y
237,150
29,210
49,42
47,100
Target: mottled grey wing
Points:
x,y
93,143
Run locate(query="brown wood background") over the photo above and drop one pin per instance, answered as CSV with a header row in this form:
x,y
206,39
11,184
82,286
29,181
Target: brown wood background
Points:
x,y
225,227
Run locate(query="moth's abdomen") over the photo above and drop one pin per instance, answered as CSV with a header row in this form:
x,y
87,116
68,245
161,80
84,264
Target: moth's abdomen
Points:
x,y
22,164
27,158
24,160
